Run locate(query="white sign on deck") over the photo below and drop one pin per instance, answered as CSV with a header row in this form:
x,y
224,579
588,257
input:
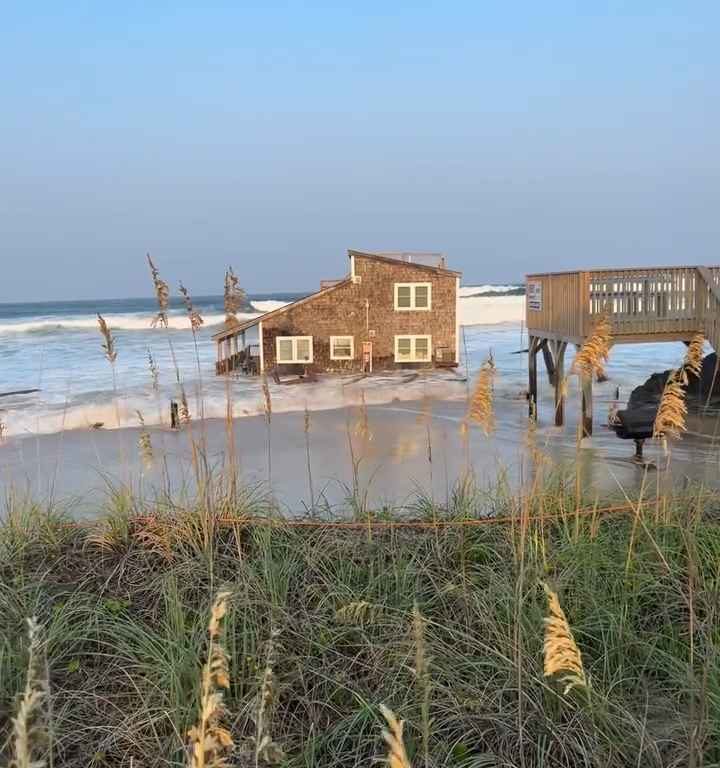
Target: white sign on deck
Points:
x,y
534,296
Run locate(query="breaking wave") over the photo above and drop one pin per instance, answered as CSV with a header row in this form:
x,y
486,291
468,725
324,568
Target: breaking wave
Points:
x,y
126,322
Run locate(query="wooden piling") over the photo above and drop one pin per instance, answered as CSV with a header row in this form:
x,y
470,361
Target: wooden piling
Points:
x,y
532,376
587,408
559,348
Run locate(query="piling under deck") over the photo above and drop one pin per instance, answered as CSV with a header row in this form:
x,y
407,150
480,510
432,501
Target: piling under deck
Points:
x,y
643,305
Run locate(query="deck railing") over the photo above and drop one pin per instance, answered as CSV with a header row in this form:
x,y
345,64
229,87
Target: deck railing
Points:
x,y
662,300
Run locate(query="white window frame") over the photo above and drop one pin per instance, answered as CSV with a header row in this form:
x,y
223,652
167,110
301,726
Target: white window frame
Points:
x,y
413,354
412,287
294,340
333,356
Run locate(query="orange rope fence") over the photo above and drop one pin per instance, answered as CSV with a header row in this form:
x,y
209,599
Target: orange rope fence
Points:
x,y
372,524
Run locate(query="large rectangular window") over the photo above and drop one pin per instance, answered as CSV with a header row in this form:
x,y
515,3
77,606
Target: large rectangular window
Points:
x,y
342,348
413,296
294,349
413,349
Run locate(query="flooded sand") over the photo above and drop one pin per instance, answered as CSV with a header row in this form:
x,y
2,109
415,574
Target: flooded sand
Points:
x,y
401,453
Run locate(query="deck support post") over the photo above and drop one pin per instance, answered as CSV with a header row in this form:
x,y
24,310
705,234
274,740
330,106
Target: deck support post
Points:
x,y
532,376
587,408
558,381
548,356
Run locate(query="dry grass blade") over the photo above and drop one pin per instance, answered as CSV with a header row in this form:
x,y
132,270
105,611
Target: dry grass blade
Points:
x,y
362,424
210,743
594,353
397,756
234,295
481,402
184,407
422,677
267,400
30,734
194,316
162,294
109,343
562,656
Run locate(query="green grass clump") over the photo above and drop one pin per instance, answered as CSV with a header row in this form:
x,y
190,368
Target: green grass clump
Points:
x,y
443,625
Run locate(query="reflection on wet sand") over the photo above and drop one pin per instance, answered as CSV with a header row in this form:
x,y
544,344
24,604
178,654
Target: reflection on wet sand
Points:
x,y
391,452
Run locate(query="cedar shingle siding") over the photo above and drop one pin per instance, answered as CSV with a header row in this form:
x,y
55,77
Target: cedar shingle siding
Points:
x,y
357,308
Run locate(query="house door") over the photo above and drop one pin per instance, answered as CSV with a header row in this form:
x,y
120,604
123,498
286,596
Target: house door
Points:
x,y
367,356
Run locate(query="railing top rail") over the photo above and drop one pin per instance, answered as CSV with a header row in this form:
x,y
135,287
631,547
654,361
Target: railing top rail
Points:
x,y
620,270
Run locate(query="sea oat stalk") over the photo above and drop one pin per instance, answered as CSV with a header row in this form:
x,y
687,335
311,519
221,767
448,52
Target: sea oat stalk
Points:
x,y
397,756
672,411
145,444
594,353
109,343
266,750
30,731
234,297
162,294
111,356
562,656
209,741
694,355
481,409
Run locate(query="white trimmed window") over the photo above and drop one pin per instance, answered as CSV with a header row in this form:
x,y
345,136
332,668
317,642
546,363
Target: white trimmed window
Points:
x,y
342,348
413,296
294,349
413,349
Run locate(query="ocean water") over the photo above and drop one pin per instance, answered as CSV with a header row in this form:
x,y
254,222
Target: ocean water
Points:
x,y
56,348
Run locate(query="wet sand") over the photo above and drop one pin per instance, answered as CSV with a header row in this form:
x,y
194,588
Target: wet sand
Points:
x,y
393,459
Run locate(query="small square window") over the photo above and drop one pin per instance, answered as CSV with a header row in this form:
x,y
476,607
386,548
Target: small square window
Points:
x,y
404,347
413,296
294,349
285,350
422,296
342,347
422,348
303,350
404,296
413,349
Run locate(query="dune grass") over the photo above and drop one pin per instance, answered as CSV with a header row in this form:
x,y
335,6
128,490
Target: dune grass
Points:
x,y
326,630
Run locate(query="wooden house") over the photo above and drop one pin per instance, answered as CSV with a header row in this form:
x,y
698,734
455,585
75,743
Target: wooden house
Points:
x,y
642,304
393,310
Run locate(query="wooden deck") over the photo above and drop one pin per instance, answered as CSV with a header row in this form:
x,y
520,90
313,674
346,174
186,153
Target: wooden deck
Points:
x,y
643,305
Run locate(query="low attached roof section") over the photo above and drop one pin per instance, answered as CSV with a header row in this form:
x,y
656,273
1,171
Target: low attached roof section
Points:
x,y
238,327
395,262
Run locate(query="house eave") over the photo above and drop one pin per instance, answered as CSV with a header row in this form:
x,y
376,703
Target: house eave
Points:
x,y
240,327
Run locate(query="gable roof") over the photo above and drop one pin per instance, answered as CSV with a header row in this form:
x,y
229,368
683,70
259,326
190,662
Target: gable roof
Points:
x,y
231,328
395,261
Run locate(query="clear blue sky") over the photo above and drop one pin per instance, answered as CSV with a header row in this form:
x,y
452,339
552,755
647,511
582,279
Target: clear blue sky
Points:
x,y
514,136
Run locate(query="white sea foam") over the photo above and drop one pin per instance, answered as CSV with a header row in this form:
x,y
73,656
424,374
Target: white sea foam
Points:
x,y
247,400
129,322
268,306
474,290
